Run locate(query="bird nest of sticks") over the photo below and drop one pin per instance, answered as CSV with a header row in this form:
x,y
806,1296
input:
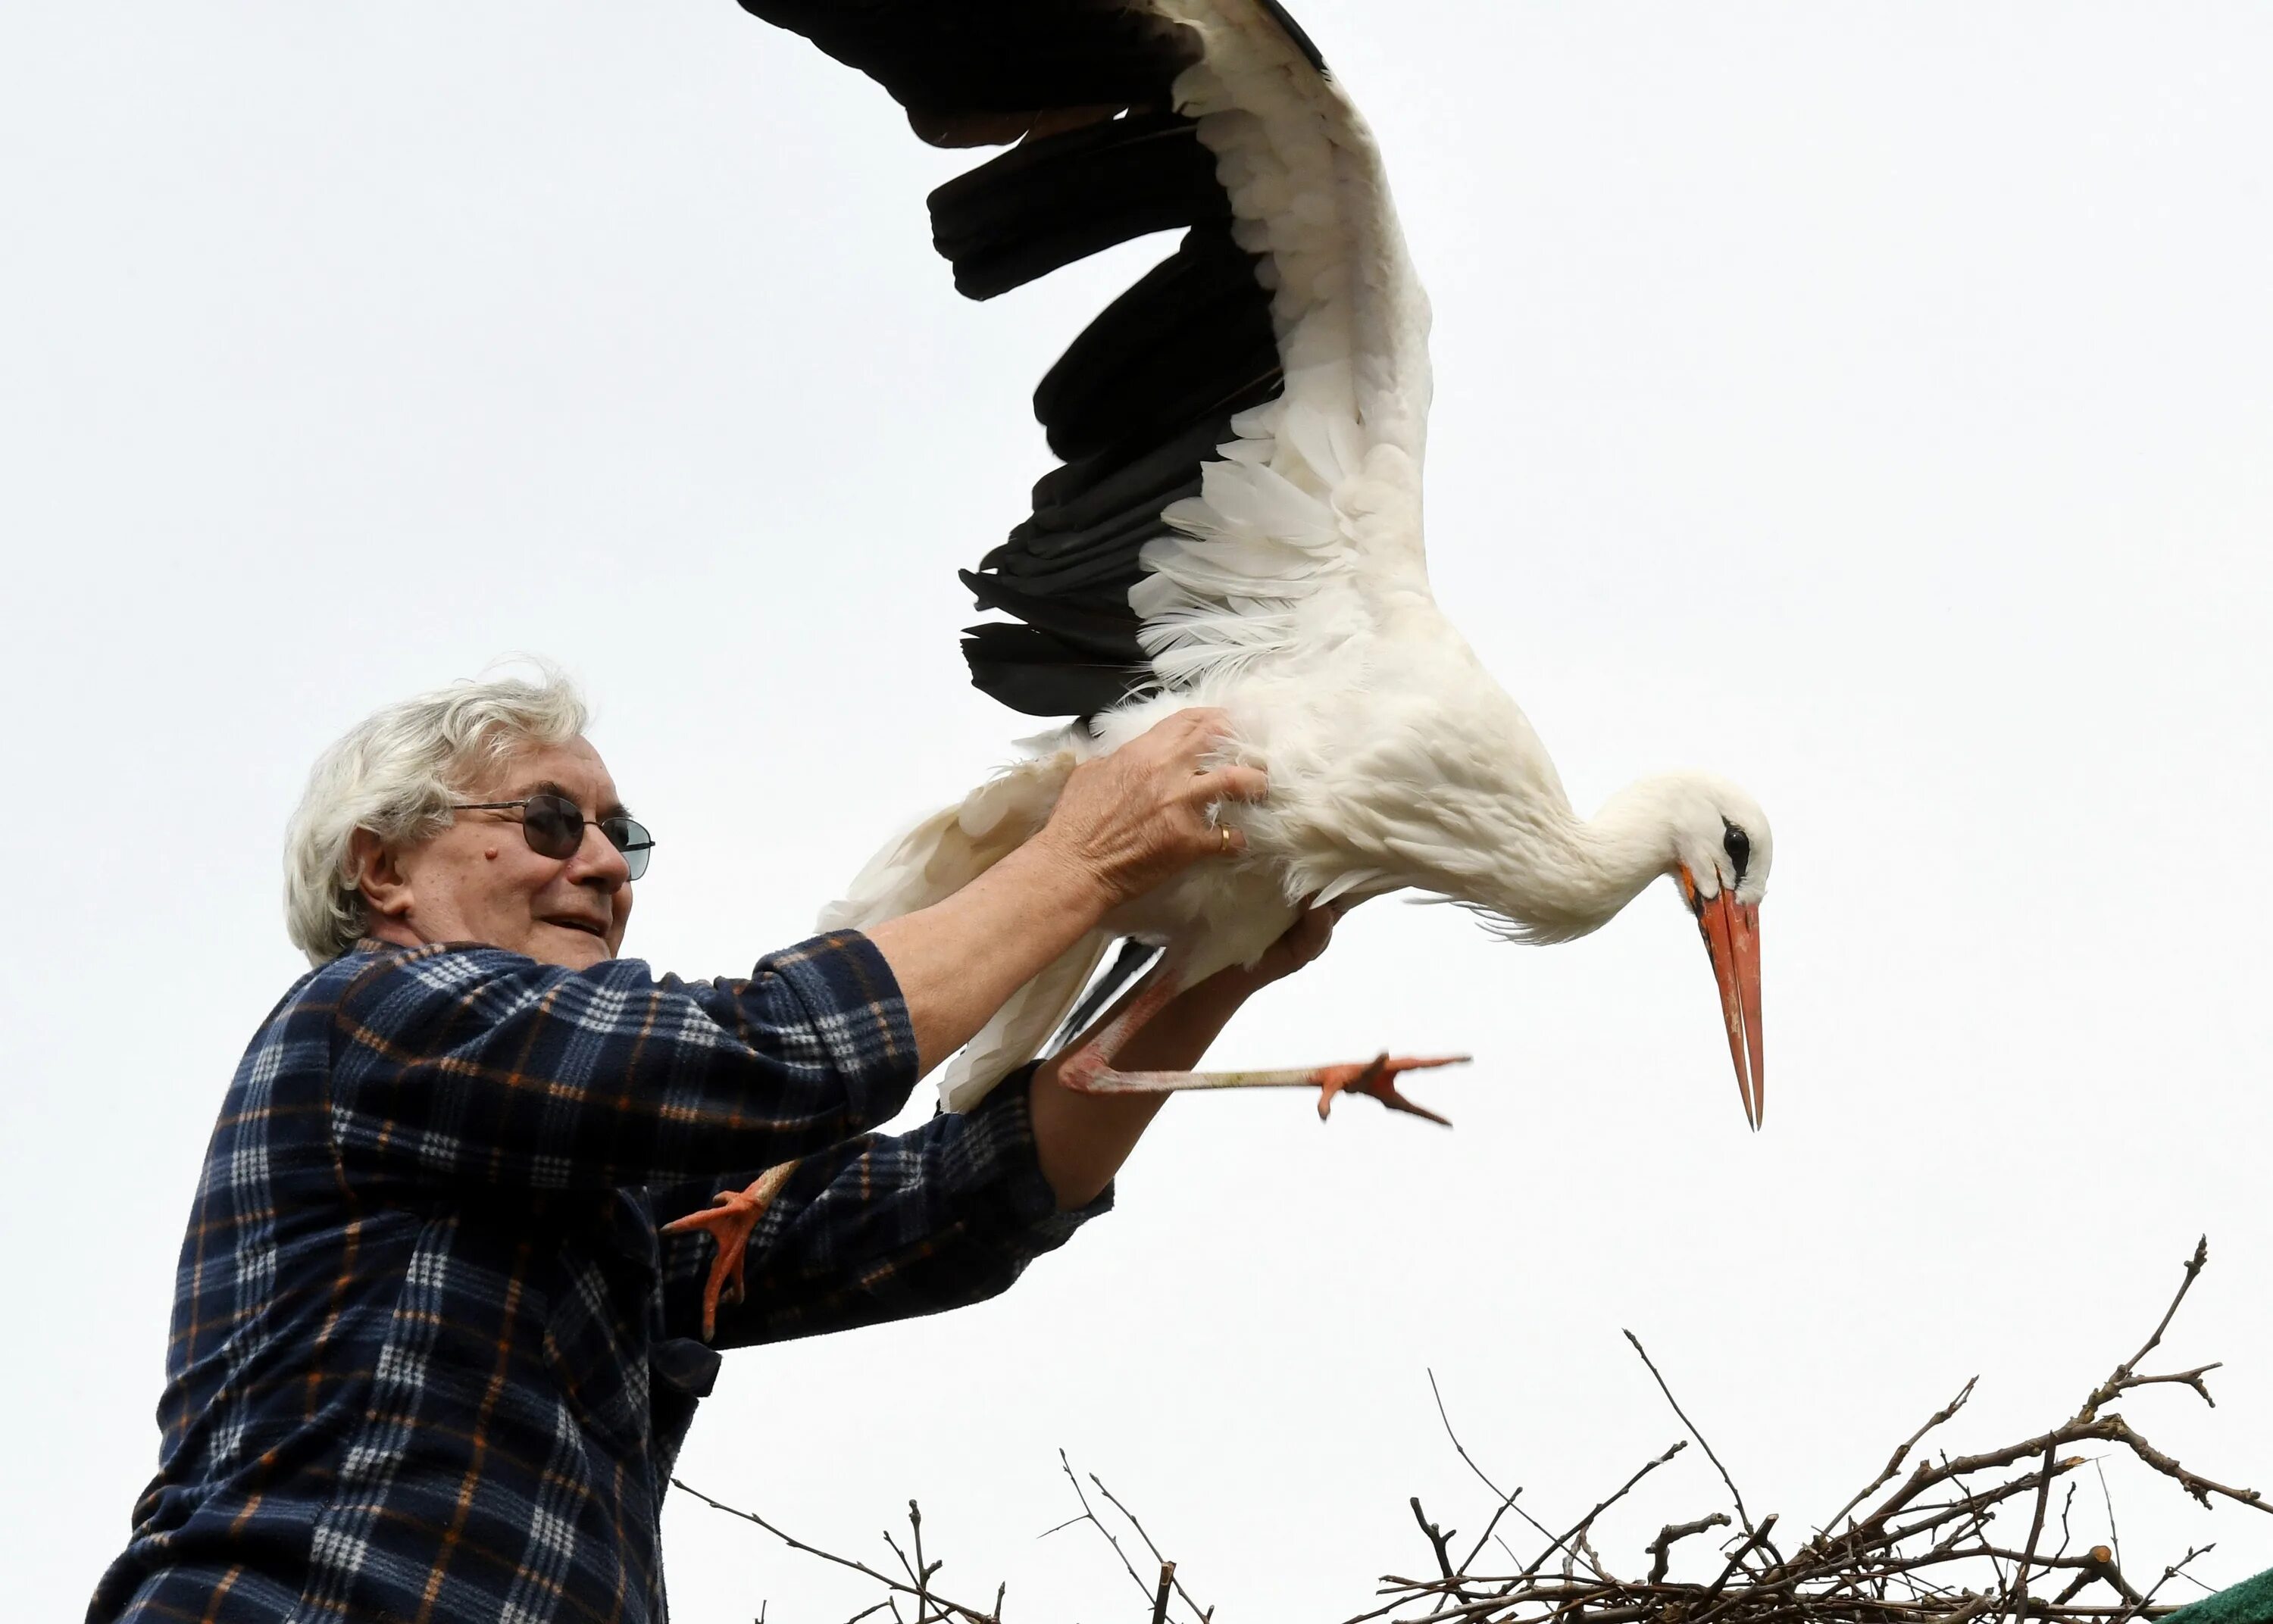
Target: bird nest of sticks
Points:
x,y
1941,1544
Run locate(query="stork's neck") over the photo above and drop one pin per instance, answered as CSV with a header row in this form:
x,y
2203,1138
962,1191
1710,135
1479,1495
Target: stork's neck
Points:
x,y
1562,875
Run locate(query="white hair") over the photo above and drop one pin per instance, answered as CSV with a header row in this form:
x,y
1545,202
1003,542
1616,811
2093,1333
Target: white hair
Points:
x,y
395,774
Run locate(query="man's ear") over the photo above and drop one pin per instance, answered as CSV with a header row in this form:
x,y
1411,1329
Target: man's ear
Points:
x,y
379,875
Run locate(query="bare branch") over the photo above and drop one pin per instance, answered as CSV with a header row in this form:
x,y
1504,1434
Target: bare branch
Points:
x,y
2122,1380
1148,1546
1090,1517
1900,1454
1741,1516
1438,1538
1506,1501
1660,1550
1588,1521
2020,1602
949,1609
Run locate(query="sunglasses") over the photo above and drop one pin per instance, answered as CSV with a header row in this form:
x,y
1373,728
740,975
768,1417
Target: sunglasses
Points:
x,y
553,825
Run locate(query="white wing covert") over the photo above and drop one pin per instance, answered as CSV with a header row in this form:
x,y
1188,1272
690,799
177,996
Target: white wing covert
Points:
x,y
1313,511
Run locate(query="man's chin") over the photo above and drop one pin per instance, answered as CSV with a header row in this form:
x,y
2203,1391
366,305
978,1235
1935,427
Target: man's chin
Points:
x,y
569,947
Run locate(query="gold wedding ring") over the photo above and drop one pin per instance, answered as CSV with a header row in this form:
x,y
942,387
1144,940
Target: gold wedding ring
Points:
x,y
1223,836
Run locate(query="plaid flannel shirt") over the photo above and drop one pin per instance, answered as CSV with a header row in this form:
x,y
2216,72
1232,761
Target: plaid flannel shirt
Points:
x,y
430,1360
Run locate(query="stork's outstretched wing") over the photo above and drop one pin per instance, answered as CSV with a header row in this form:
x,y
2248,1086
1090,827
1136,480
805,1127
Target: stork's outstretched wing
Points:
x,y
1242,430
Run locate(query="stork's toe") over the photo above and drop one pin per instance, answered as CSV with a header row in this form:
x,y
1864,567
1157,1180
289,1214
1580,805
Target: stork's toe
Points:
x,y
729,1221
1375,1078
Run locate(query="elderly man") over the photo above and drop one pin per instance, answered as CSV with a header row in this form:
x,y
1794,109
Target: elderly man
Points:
x,y
432,1354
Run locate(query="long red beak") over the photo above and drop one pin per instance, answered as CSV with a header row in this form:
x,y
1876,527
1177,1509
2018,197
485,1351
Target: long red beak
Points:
x,y
1732,937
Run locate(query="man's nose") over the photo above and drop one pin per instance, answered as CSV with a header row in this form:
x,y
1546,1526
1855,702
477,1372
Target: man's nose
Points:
x,y
598,862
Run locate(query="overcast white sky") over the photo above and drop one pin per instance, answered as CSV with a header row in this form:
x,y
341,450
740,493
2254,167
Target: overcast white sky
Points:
x,y
1870,402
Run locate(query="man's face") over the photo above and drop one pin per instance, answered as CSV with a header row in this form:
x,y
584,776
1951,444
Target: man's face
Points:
x,y
478,881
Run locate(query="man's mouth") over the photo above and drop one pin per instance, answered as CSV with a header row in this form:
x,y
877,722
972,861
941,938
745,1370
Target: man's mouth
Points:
x,y
591,927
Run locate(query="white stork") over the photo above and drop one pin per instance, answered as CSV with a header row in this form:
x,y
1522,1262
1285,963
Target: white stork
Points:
x,y
1236,523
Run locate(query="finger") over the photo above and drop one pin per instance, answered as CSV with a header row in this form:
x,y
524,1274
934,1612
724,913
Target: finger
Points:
x,y
1172,739
1229,784
1197,726
1307,935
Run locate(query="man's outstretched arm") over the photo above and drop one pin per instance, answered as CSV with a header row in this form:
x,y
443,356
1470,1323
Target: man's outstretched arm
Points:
x,y
1081,1140
890,1225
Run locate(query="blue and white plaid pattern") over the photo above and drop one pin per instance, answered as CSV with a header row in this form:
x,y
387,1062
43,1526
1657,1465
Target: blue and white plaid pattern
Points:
x,y
430,1360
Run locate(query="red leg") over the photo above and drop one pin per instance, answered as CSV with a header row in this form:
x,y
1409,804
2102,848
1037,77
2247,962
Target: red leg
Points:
x,y
728,1220
1371,1077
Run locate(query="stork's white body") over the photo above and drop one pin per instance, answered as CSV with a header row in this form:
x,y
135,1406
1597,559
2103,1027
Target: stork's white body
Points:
x,y
1378,785
1292,594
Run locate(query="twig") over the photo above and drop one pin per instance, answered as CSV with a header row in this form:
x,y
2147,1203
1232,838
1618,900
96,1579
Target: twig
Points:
x,y
2121,1380
2020,1602
970,1615
1089,1517
2098,1568
1735,1566
2113,1537
1660,1550
1900,1454
1587,1521
2181,1566
1438,1538
1203,1613
1741,1516
1506,1501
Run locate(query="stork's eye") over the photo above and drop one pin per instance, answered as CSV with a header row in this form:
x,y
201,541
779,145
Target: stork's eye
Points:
x,y
1738,845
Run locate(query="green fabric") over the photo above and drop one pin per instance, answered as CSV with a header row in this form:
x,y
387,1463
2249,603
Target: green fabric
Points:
x,y
2249,1602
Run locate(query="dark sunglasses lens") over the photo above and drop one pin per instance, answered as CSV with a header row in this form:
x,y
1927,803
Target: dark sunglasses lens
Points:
x,y
631,838
553,827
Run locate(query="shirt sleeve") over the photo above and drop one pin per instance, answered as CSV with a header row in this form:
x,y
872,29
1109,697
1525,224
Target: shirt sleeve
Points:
x,y
474,1066
887,1227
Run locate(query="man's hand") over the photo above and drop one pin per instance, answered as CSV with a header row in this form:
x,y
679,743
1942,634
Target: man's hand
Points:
x,y
1082,1139
1136,817
1123,823
1305,940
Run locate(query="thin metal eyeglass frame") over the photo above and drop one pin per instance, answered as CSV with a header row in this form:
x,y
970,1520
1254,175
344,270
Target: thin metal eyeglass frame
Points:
x,y
635,852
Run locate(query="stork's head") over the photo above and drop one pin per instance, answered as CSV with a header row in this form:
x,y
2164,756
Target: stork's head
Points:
x,y
1723,851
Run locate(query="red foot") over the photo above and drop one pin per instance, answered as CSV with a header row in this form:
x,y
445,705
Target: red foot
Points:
x,y
728,1220
1373,1077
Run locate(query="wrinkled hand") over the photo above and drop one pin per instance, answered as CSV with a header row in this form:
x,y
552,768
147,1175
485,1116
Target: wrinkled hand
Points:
x,y
1133,818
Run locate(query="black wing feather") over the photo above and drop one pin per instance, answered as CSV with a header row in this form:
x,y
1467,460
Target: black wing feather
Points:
x,y
1143,396
1163,352
1052,200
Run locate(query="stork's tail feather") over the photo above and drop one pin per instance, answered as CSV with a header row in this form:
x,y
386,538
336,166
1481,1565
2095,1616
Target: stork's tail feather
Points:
x,y
1134,958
